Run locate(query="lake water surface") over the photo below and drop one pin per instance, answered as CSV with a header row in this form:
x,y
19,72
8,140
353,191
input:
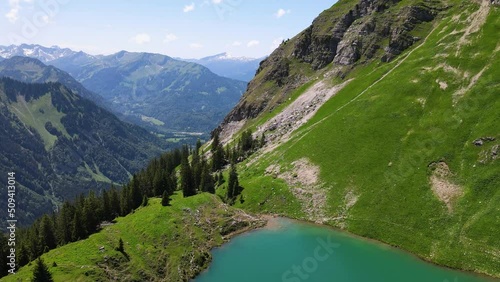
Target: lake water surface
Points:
x,y
291,251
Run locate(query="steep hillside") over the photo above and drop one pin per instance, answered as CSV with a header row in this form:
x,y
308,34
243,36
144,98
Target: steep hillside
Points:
x,y
382,118
157,91
348,35
60,145
160,243
31,70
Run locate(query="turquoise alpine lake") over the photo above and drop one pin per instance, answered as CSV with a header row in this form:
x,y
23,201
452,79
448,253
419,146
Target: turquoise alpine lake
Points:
x,y
291,251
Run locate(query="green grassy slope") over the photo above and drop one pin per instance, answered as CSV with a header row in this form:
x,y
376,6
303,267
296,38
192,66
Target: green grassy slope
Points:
x,y
377,146
377,138
162,243
36,114
60,145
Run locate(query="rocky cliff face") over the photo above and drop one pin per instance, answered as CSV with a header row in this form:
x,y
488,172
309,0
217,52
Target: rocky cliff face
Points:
x,y
346,35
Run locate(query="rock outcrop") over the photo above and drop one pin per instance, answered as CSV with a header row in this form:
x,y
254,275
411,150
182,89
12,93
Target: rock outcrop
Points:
x,y
345,36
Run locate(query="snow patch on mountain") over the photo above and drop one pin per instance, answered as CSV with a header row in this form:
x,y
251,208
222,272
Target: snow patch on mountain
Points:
x,y
44,54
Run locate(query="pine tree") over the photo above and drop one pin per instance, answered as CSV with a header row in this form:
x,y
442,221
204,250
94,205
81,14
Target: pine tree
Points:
x,y
246,141
135,193
120,247
144,201
80,201
90,213
262,140
172,183
46,235
64,220
195,157
23,257
218,160
106,206
78,229
165,199
114,202
196,169
187,182
125,201
160,182
34,248
184,152
41,272
198,145
207,183
220,179
215,141
233,187
95,203
234,154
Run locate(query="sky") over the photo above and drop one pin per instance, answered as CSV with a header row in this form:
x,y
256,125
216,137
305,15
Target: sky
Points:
x,y
178,28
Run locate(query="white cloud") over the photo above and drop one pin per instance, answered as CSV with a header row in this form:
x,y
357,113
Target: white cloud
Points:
x,y
236,43
189,8
141,38
170,37
195,46
281,12
276,43
216,1
253,43
12,15
15,7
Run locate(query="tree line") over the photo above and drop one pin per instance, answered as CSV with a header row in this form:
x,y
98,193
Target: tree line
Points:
x,y
78,219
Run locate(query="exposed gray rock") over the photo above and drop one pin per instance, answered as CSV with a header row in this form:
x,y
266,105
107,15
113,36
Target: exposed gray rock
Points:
x,y
480,141
495,151
341,43
367,30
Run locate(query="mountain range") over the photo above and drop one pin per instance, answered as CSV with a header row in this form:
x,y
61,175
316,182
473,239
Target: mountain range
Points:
x,y
83,145
44,54
32,70
223,64
157,91
60,145
380,119
151,90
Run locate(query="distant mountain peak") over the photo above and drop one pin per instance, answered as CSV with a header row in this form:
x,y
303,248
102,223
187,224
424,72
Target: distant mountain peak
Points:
x,y
17,59
227,65
225,56
44,54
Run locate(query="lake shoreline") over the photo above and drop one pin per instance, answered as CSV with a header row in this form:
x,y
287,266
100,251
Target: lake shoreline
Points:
x,y
373,240
270,222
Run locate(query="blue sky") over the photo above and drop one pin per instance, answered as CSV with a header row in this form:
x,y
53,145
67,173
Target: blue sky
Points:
x,y
178,28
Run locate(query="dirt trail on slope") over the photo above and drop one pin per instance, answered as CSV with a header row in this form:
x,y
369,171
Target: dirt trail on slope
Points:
x,y
474,23
368,88
462,91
